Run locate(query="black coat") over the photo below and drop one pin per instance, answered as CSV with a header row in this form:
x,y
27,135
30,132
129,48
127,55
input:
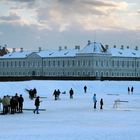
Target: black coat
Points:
x,y
37,102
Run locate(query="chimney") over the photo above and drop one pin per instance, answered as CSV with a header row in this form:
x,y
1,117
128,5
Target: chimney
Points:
x,y
14,50
136,48
127,47
60,48
21,49
77,47
122,47
89,42
106,46
65,47
39,49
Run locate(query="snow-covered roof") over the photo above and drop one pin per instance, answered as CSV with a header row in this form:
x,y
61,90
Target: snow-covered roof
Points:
x,y
58,53
23,54
93,47
125,52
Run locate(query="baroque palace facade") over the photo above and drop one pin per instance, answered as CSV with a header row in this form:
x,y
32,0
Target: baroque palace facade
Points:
x,y
94,60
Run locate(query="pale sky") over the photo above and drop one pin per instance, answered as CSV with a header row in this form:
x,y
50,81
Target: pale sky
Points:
x,y
52,23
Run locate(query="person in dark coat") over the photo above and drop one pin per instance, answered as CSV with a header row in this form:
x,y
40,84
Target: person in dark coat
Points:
x,y
13,105
71,92
128,90
85,89
58,94
132,89
55,95
34,92
20,103
37,104
101,103
16,102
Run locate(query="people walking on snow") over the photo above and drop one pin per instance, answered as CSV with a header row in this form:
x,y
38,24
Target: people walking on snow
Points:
x,y
37,104
0,103
94,100
128,90
85,89
132,89
71,92
101,103
58,94
55,95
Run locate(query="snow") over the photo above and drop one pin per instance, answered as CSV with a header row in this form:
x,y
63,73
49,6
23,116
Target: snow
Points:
x,y
91,48
23,54
74,119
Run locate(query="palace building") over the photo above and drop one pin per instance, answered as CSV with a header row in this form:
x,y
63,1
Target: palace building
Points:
x,y
93,60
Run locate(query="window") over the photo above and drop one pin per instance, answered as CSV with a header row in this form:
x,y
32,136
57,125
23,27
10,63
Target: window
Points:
x,y
19,64
44,63
58,63
7,64
63,64
89,63
11,64
113,63
78,62
49,63
54,63
72,62
23,63
118,63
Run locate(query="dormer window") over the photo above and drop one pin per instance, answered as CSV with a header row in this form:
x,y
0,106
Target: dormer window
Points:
x,y
133,53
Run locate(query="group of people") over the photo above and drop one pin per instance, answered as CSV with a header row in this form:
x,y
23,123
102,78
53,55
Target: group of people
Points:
x,y
130,90
32,93
12,104
56,94
95,102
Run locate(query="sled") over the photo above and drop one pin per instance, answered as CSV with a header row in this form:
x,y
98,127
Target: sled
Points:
x,y
30,109
116,102
113,94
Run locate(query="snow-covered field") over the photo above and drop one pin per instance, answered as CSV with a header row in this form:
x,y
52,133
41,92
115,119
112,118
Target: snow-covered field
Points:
x,y
74,119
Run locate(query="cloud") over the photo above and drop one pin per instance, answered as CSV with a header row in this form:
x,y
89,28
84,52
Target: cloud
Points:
x,y
11,17
62,14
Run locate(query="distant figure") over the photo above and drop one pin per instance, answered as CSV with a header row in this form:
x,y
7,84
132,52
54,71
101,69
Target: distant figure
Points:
x,y
132,89
101,103
34,92
16,102
37,104
128,90
94,100
55,95
20,103
71,92
13,105
58,94
85,89
0,103
5,105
